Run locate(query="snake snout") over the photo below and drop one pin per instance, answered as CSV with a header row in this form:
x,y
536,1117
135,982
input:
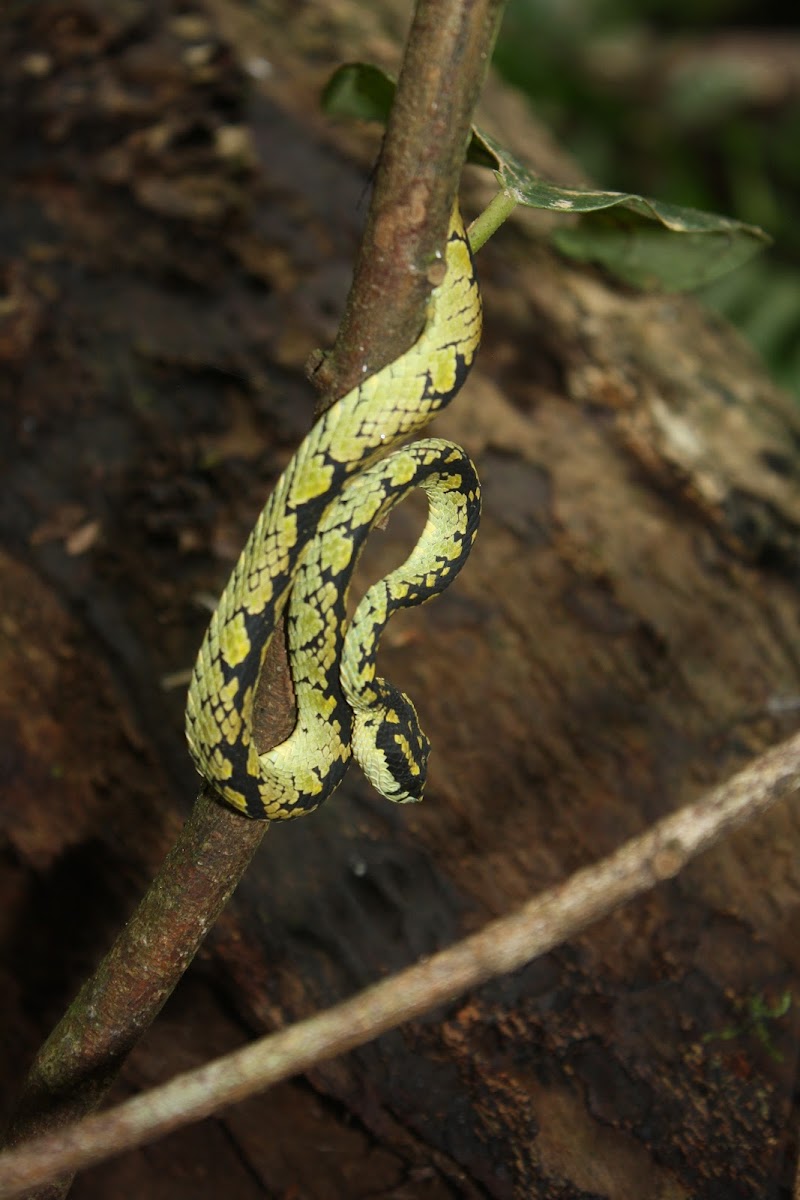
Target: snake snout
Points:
x,y
392,749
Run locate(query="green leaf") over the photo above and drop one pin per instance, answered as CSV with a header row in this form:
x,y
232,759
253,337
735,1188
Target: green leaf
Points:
x,y
630,235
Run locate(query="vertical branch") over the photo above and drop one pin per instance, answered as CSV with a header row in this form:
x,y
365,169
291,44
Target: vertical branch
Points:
x,y
446,60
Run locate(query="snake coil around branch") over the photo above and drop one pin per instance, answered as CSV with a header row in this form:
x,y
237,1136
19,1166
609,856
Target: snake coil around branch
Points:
x,y
303,550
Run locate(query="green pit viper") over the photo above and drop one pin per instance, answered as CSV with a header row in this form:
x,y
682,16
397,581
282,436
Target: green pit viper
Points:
x,y
302,552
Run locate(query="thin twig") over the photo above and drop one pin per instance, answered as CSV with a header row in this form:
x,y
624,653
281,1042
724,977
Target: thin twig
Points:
x,y
503,945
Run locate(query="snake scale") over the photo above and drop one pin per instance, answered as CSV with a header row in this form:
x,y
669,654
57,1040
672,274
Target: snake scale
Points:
x,y
302,552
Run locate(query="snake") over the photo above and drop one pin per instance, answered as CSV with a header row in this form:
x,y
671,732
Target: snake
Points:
x,y
344,478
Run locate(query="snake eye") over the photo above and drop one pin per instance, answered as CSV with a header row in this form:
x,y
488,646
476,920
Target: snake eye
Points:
x,y
392,750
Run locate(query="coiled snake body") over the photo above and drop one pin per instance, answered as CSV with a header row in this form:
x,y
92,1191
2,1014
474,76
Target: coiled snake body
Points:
x,y
306,542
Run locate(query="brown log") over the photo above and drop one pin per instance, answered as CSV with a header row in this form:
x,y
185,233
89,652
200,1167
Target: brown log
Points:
x,y
177,234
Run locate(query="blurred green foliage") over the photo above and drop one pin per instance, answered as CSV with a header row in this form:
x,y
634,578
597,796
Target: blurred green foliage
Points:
x,y
642,240
694,102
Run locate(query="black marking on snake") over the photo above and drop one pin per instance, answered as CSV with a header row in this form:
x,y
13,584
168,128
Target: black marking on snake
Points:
x,y
392,738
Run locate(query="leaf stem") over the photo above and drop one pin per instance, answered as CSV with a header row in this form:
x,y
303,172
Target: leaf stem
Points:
x,y
496,212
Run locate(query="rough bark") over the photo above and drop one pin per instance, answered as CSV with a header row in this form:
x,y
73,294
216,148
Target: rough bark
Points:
x,y
175,241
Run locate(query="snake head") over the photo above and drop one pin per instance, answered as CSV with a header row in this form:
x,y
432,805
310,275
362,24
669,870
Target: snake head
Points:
x,y
391,748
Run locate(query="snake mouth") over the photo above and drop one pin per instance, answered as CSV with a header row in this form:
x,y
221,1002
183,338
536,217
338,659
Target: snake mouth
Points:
x,y
400,794
407,798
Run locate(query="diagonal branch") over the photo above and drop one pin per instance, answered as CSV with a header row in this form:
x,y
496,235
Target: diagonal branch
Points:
x,y
77,1064
503,945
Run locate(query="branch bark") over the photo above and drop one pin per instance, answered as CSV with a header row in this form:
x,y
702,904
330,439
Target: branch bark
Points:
x,y
444,68
503,945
